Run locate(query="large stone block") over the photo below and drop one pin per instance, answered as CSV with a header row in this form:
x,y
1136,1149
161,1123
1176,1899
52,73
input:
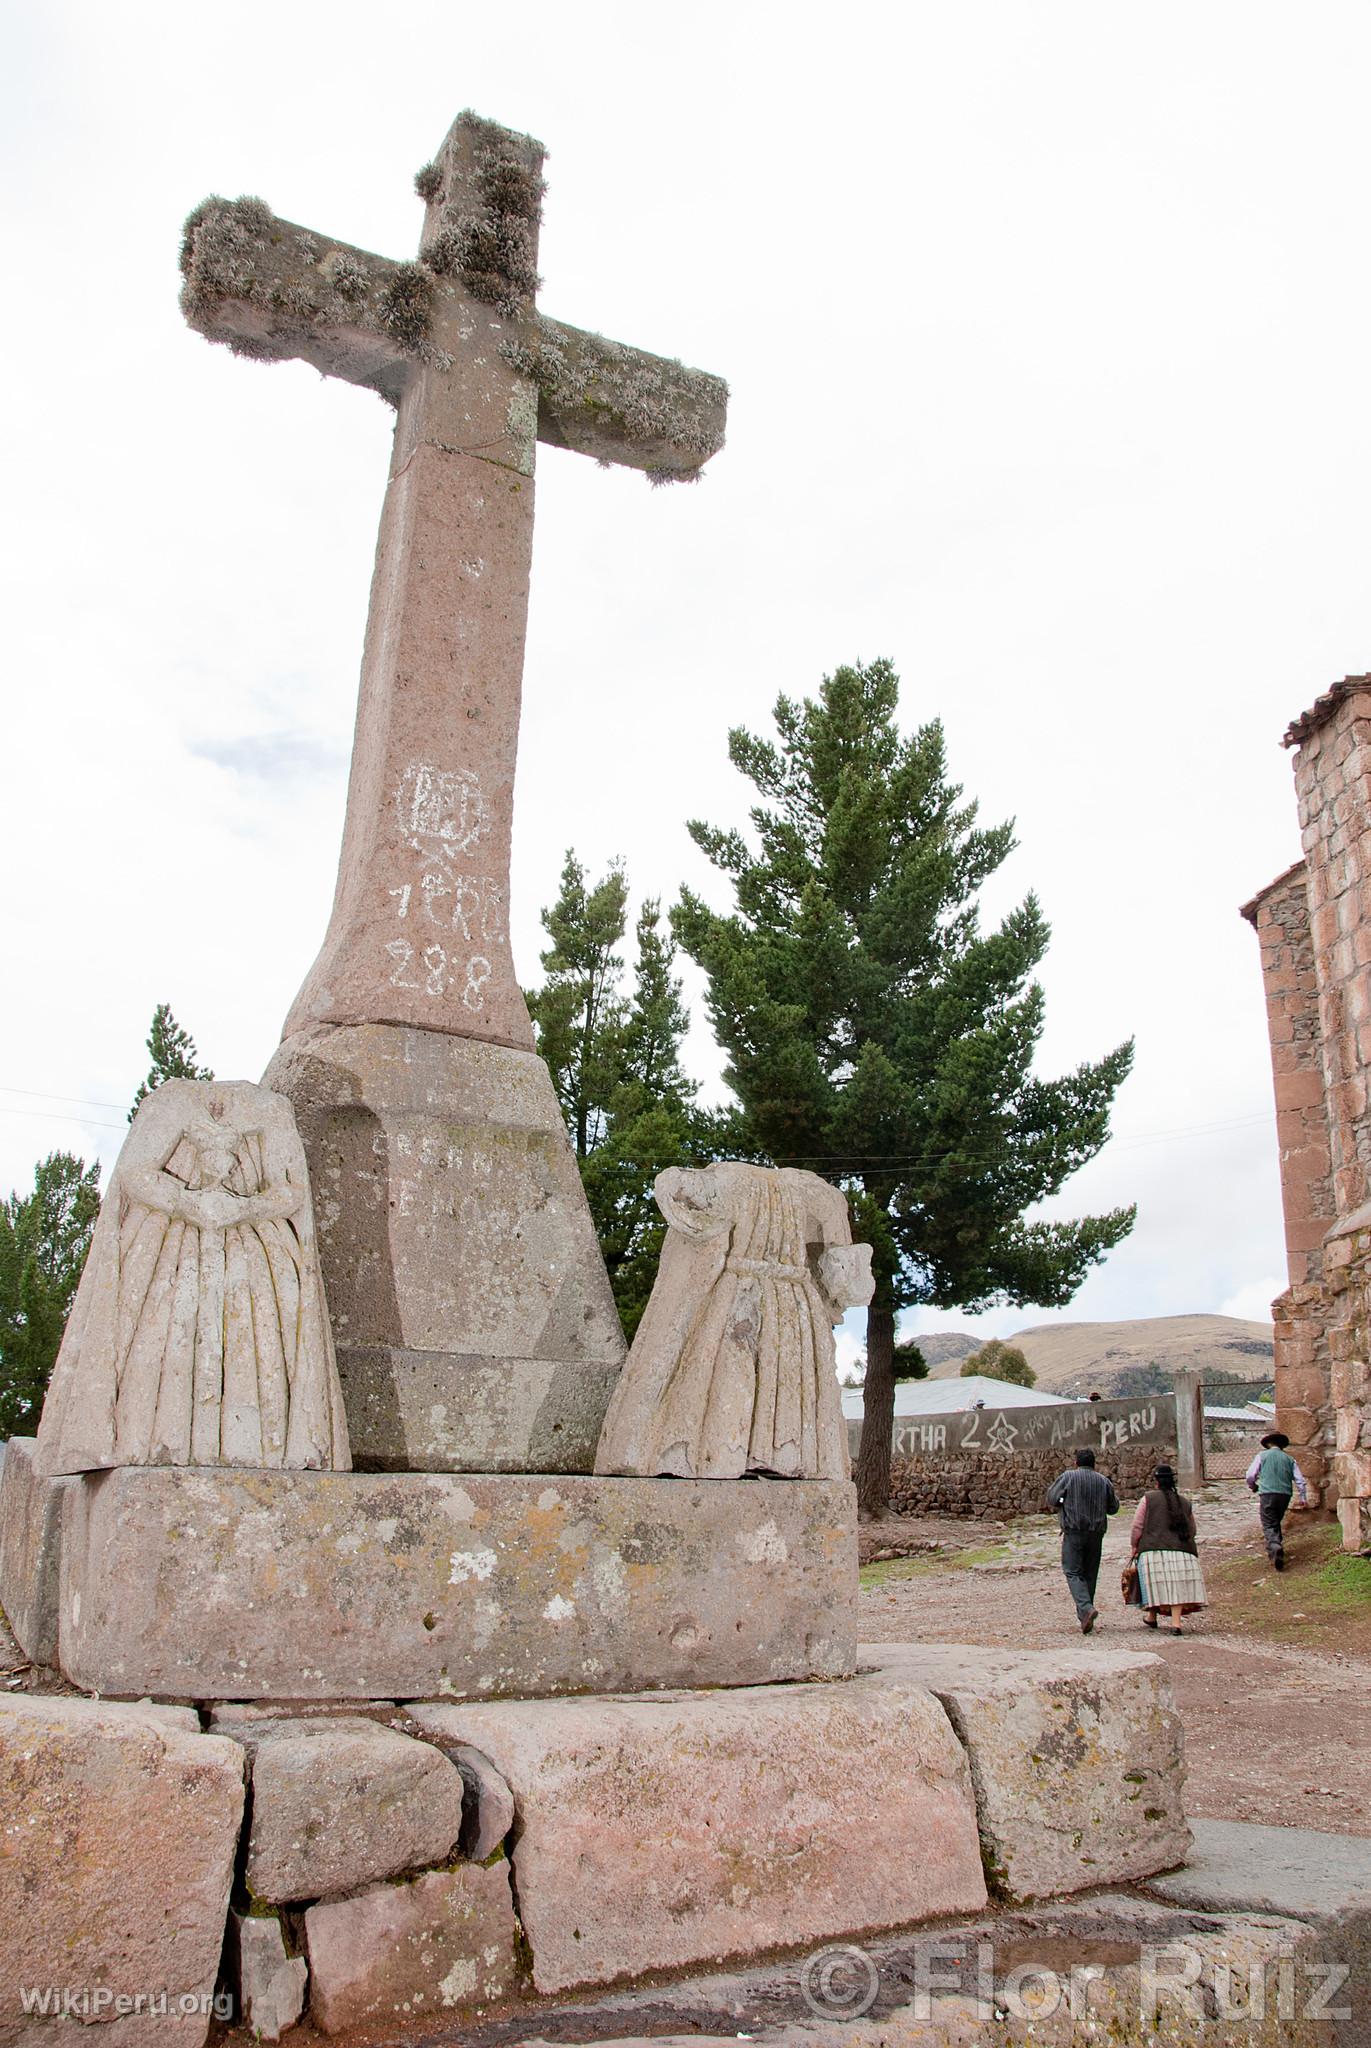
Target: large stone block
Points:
x,y
431,1411
1076,1757
30,1541
339,1802
294,1585
413,1952
117,1835
454,1233
655,1833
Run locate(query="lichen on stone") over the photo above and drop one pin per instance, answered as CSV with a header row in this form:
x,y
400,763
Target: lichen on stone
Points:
x,y
598,387
346,275
237,250
428,181
488,232
217,243
406,305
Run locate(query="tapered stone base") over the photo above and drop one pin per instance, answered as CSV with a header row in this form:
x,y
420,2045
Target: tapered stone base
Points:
x,y
430,1411
179,1582
472,1314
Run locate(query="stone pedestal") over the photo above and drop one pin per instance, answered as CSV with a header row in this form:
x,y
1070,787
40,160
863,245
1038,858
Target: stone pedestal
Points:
x,y
473,1318
30,1544
226,1585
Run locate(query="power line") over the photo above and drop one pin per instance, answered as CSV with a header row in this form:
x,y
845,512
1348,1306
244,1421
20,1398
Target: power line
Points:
x,y
91,1123
51,1095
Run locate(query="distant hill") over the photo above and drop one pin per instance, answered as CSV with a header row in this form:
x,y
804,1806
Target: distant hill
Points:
x,y
1116,1358
945,1350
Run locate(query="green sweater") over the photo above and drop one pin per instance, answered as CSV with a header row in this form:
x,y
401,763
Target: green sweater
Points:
x,y
1277,1474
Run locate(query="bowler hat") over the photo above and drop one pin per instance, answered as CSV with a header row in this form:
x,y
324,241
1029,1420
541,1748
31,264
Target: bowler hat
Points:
x,y
1277,1440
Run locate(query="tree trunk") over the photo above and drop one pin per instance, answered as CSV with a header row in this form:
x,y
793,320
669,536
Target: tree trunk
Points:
x,y
878,1414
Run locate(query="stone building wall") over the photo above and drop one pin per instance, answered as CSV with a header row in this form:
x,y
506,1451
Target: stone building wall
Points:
x,y
995,1487
1280,917
1323,1322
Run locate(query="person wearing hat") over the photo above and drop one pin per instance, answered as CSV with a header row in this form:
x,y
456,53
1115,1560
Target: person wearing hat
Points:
x,y
1273,1475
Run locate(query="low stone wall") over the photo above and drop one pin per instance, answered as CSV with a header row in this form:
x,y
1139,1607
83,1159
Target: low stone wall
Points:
x,y
418,1866
993,1485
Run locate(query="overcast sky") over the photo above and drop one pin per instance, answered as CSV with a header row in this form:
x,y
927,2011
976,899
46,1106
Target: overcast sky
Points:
x,y
1046,330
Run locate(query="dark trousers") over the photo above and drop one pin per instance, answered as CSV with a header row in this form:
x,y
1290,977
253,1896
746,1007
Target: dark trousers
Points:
x,y
1272,1507
1081,1563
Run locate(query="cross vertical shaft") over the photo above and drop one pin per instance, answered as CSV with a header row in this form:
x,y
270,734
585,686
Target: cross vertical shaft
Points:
x,y
473,1319
419,932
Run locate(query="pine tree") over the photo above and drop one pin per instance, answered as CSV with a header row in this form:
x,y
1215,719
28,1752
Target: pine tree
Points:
x,y
44,1238
875,1035
578,1013
173,1056
615,1062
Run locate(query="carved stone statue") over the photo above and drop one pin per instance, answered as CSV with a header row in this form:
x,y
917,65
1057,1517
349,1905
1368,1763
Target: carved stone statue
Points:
x,y
732,1369
199,1334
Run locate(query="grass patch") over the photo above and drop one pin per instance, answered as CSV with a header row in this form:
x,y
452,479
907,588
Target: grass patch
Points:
x,y
1321,1600
920,1567
1344,1583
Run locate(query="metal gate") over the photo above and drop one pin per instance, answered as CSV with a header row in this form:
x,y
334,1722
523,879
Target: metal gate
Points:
x,y
1237,1415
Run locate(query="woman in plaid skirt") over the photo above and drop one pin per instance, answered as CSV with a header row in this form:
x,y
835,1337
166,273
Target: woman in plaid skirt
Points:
x,y
1165,1554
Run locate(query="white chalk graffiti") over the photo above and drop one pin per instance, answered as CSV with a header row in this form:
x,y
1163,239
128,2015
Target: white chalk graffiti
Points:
x,y
442,810
1001,1434
442,814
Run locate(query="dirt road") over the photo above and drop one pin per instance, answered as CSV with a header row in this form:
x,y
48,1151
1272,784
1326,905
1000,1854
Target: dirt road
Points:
x,y
1276,1730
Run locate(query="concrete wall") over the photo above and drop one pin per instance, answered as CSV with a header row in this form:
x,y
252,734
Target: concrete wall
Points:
x,y
999,1461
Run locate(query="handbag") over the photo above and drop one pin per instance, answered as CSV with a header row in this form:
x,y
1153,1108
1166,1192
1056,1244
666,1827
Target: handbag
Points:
x,y
1128,1583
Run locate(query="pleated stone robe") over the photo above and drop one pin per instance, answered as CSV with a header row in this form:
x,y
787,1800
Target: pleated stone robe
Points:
x,y
199,1334
732,1368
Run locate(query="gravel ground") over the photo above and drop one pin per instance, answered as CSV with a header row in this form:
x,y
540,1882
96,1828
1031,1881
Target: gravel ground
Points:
x,y
1274,1733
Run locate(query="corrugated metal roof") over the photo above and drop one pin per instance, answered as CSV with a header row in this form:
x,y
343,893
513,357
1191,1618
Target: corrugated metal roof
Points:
x,y
949,1397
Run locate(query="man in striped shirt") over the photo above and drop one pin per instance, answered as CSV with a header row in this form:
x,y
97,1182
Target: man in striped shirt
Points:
x,y
1084,1500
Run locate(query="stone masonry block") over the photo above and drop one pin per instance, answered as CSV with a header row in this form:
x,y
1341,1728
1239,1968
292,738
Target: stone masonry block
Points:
x,y
118,1828
339,1802
402,1954
236,1585
1076,1757
30,1539
653,1833
271,1982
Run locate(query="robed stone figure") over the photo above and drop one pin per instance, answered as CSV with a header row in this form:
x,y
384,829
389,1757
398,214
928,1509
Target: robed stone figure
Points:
x,y
199,1334
732,1368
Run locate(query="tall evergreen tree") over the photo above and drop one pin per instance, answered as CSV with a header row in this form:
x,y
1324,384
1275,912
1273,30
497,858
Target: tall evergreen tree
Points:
x,y
44,1238
614,1056
174,1057
875,1035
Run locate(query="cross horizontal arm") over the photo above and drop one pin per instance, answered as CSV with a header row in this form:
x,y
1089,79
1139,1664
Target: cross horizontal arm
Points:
x,y
275,291
619,404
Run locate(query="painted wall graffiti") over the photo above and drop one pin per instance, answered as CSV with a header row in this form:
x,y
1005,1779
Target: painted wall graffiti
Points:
x,y
1105,1425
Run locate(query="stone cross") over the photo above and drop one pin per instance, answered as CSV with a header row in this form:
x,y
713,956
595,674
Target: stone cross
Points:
x,y
419,931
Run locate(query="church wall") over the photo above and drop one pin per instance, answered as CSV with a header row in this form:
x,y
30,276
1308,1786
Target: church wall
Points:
x,y
1280,917
1323,1321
